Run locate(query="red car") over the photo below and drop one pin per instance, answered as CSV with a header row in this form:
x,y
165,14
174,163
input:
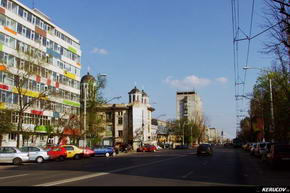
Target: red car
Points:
x,y
147,148
88,152
57,153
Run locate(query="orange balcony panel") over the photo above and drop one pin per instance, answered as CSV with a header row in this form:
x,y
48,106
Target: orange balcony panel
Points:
x,y
2,11
40,31
10,30
3,68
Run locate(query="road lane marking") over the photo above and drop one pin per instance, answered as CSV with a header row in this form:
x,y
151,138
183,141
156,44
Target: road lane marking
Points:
x,y
188,174
103,173
15,176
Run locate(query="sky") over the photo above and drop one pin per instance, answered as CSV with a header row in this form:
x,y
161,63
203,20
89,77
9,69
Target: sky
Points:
x,y
163,46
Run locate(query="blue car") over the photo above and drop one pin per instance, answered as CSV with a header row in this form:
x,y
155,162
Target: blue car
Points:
x,y
105,151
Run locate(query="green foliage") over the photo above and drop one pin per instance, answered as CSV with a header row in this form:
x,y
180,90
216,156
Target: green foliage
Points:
x,y
187,128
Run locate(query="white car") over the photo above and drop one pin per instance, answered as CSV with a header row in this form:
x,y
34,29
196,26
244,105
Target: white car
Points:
x,y
36,154
12,155
158,147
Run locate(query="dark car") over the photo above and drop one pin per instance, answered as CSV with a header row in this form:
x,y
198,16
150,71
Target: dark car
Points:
x,y
205,149
181,147
278,154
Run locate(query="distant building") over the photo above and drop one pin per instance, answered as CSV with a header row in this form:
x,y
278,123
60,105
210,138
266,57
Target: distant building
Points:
x,y
189,106
127,123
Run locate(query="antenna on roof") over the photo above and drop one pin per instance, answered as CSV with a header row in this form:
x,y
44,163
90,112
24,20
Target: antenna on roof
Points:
x,y
135,83
89,68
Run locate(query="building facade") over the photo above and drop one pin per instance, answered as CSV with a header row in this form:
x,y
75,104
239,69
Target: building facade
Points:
x,y
33,48
188,106
126,123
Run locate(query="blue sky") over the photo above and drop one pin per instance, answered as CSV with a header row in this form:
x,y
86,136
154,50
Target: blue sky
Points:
x,y
162,46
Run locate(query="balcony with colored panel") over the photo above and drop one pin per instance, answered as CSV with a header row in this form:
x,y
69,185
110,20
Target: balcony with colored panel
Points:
x,y
73,50
69,75
35,112
71,103
40,31
41,129
4,87
2,10
10,30
53,53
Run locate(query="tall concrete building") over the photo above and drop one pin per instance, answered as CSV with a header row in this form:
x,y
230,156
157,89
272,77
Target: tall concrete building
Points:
x,y
28,32
188,105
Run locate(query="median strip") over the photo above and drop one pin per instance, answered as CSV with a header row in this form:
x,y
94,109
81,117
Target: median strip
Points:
x,y
102,173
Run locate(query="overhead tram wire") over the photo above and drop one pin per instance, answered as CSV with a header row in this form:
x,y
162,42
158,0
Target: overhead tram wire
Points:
x,y
249,44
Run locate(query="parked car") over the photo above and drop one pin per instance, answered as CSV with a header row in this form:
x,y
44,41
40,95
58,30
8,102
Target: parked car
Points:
x,y
246,146
147,148
181,147
73,151
204,149
57,153
260,149
12,155
36,154
104,150
278,154
253,147
88,152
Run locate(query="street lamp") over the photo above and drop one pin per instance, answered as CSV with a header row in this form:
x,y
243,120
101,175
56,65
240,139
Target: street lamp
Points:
x,y
271,93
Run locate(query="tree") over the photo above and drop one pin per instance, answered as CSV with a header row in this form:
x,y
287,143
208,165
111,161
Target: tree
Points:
x,y
95,121
6,125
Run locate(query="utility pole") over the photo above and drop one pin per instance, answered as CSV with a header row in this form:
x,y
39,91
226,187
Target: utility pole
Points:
x,y
85,114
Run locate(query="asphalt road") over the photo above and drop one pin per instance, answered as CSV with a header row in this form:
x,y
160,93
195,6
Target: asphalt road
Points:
x,y
227,167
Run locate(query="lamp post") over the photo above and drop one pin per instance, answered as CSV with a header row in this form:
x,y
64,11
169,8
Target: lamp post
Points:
x,y
271,94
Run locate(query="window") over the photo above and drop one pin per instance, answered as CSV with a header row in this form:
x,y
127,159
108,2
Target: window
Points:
x,y
120,120
12,136
120,133
33,19
25,14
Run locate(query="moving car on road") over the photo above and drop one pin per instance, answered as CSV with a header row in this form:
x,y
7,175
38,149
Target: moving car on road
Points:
x,y
104,150
36,154
73,151
204,149
12,155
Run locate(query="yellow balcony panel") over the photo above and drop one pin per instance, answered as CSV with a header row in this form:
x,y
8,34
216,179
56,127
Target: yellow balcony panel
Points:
x,y
70,75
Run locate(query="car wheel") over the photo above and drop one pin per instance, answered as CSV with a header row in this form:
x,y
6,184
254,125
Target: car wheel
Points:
x,y
77,156
107,154
39,160
17,161
113,154
154,150
61,158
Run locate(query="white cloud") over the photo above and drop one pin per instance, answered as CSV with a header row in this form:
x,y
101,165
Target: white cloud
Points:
x,y
189,82
222,80
101,51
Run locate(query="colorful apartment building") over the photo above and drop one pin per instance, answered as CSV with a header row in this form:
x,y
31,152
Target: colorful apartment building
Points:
x,y
31,42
